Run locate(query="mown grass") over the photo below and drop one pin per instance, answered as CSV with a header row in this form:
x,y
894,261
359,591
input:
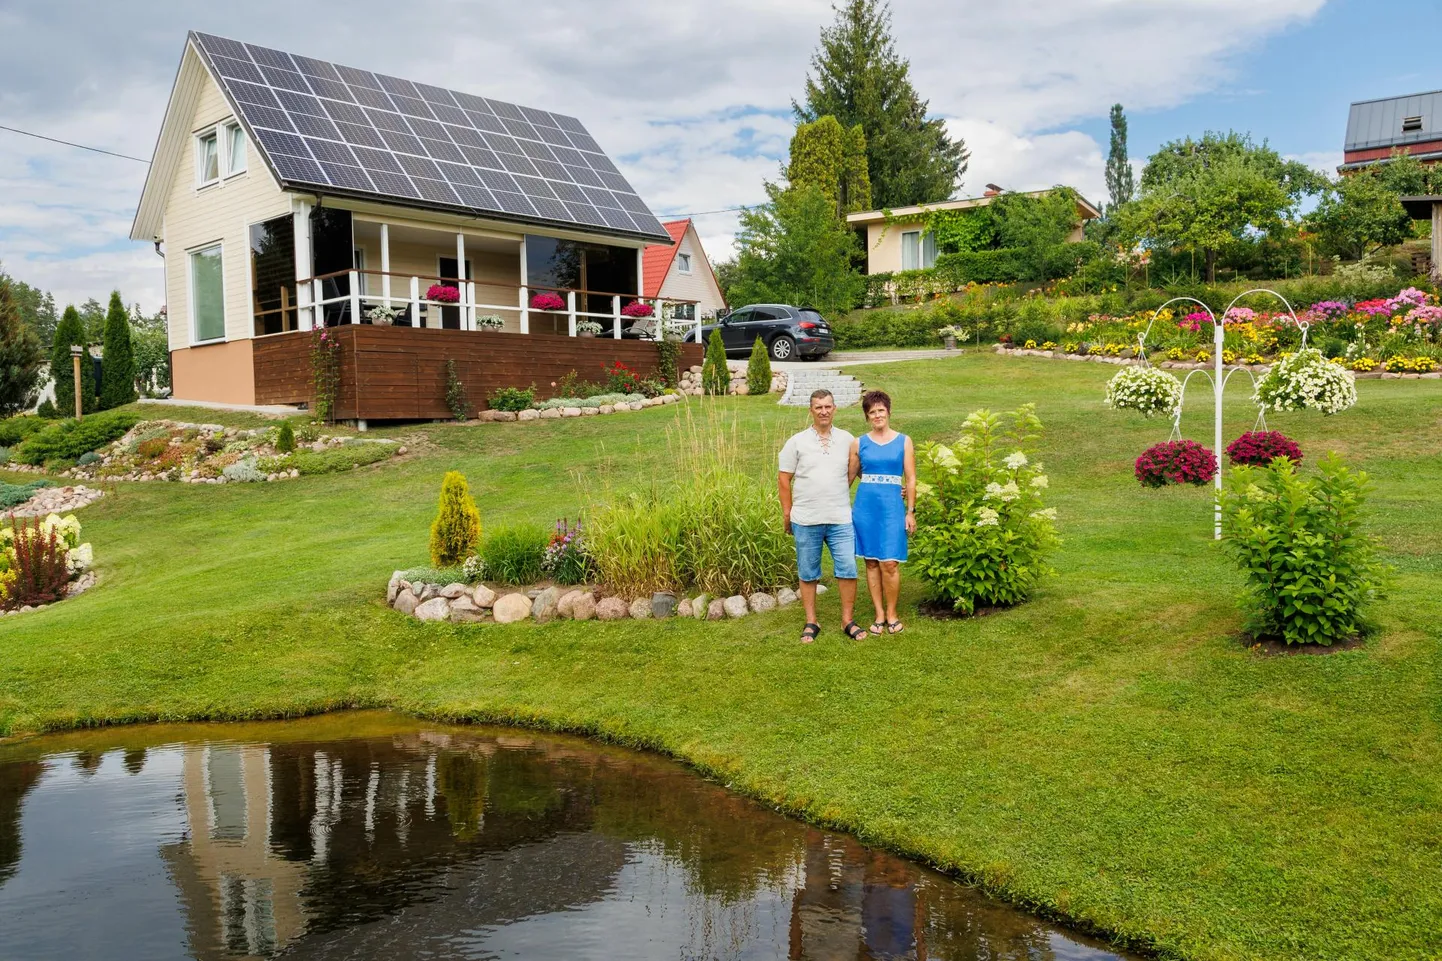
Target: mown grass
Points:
x,y
1110,752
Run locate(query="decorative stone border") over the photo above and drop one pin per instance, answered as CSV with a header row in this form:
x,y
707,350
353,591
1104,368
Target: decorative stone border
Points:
x,y
80,585
1188,365
56,500
464,604
493,416
690,382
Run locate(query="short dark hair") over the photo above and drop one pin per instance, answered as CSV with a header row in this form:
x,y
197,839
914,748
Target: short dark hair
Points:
x,y
873,397
820,393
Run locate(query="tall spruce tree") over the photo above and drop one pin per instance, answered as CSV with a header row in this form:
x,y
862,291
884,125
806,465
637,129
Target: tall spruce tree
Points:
x,y
71,330
833,159
117,372
1119,169
857,77
20,356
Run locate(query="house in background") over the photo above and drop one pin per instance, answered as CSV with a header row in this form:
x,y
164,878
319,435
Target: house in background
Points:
x,y
1376,128
897,239
291,194
682,274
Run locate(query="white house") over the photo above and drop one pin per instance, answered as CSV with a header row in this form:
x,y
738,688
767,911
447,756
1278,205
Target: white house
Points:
x,y
682,272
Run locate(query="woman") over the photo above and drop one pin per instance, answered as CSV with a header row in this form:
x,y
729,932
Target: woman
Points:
x,y
885,509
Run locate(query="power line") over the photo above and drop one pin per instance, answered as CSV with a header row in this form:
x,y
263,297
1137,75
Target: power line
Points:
x,y
723,210
41,136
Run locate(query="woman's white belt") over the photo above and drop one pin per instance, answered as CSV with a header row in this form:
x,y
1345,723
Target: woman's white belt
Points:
x,y
881,479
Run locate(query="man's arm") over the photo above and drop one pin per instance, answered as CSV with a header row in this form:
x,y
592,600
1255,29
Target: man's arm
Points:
x,y
783,489
853,463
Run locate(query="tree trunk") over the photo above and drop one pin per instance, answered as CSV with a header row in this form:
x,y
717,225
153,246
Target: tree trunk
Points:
x,y
1211,266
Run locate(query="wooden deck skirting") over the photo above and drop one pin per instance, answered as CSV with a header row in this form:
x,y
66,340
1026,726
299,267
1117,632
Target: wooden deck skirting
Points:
x,y
399,373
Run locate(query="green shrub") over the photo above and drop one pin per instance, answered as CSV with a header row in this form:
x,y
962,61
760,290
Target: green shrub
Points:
x,y
68,439
758,370
715,376
1309,568
335,459
48,410
982,534
117,374
981,267
243,472
516,554
512,398
285,438
435,575
87,458
457,402
457,527
4,455
15,429
13,495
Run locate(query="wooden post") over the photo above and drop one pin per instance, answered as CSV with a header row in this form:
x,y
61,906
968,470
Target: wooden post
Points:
x,y
75,353
1437,242
284,305
525,310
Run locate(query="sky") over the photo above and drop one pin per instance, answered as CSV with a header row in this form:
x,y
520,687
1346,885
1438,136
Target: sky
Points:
x,y
691,99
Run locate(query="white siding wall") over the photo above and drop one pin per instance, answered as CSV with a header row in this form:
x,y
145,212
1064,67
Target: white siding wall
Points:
x,y
221,212
700,284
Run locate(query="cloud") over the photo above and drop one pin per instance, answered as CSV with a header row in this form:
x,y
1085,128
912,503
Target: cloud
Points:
x,y
692,98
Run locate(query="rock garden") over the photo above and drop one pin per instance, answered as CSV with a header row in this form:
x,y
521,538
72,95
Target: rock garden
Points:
x,y
41,562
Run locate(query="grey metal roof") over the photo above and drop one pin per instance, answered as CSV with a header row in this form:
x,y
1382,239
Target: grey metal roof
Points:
x,y
342,131
1378,123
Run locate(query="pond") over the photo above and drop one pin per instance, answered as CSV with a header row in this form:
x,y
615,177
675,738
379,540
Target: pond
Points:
x,y
373,836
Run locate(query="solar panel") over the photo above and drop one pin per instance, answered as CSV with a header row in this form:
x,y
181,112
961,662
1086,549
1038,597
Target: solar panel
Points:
x,y
327,125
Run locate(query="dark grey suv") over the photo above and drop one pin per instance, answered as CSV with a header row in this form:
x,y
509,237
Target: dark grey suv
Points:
x,y
789,333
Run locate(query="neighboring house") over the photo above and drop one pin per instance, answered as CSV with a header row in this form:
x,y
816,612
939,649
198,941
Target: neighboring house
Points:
x,y
682,272
291,194
1377,128
897,240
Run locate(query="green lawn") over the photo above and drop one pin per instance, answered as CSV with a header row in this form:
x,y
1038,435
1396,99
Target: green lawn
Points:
x,y
1110,752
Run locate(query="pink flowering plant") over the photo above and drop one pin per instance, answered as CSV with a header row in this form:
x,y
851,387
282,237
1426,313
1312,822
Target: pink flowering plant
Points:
x,y
1176,462
443,294
1260,447
547,301
637,309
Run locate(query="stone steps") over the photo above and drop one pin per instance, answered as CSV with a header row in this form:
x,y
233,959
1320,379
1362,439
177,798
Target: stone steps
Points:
x,y
844,388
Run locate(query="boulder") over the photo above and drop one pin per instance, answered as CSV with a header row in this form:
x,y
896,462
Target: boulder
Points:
x,y
735,606
429,591
663,604
551,413
529,414
405,601
607,409
641,608
590,411
505,415
472,615
684,608
511,608
452,591
786,597
394,588
567,602
543,608
637,405
463,603
435,609
484,597
761,601
612,609
716,610
821,588
570,412
699,605
584,607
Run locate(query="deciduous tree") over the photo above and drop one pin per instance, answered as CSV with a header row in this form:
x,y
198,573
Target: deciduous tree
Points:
x,y
20,356
832,159
794,250
1120,186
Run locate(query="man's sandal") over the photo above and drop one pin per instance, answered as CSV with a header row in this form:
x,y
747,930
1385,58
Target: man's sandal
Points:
x,y
895,627
810,632
854,630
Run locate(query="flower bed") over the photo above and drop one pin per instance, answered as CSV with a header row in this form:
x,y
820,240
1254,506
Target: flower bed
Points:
x,y
41,562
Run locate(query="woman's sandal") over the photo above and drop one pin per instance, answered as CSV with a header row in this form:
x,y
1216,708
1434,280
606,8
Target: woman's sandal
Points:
x,y
810,632
877,627
854,630
895,627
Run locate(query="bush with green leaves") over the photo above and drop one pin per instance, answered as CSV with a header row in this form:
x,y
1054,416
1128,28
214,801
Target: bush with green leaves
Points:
x,y
715,375
457,401
435,575
47,410
758,370
983,534
243,472
13,495
333,460
1310,569
285,438
457,527
512,398
515,554
15,429
66,440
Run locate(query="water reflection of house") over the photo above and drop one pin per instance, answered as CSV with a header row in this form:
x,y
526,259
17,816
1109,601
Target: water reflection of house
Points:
x,y
855,903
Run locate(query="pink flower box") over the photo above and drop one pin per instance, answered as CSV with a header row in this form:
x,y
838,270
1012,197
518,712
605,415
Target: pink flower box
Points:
x,y
547,302
443,294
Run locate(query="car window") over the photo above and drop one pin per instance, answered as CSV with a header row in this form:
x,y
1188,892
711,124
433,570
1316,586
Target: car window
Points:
x,y
812,315
738,316
767,313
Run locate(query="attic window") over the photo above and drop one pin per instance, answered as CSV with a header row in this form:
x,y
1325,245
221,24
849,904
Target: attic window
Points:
x,y
1411,123
683,263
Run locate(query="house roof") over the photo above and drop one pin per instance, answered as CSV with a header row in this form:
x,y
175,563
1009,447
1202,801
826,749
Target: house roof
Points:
x,y
1378,123
656,261
1418,208
1085,209
335,130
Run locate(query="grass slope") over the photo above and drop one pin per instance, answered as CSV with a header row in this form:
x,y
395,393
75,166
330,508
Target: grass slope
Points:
x,y
1109,752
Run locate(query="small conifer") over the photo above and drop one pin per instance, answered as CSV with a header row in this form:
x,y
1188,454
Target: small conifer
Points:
x,y
758,370
456,532
715,377
285,438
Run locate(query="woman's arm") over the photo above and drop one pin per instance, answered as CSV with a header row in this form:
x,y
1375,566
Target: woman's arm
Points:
x,y
853,462
908,488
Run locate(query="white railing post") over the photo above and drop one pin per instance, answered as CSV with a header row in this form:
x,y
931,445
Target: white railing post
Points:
x,y
386,265
571,313
697,315
616,316
415,301
525,301
304,315
317,295
354,276
470,305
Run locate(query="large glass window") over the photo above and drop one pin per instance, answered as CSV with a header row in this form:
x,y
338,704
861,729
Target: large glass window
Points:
x,y
272,275
601,268
207,294
918,250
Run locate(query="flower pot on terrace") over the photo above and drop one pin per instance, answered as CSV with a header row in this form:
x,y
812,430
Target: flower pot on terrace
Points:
x,y
585,333
950,342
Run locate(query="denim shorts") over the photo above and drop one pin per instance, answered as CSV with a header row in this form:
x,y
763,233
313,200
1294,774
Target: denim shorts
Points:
x,y
840,539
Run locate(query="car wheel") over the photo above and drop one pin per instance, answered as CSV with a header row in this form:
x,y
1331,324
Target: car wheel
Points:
x,y
783,348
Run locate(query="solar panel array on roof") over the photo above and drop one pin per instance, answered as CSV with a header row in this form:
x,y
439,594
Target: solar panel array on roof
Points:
x,y
324,125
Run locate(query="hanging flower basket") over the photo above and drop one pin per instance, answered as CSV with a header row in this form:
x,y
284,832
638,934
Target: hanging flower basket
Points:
x,y
1176,462
1258,448
443,294
637,309
547,302
1144,389
1307,381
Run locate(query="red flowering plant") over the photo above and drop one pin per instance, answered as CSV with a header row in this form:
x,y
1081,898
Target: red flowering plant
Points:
x,y
1258,448
621,379
1176,462
547,301
637,309
443,294
1192,323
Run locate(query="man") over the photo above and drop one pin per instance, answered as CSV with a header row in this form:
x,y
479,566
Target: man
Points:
x,y
815,485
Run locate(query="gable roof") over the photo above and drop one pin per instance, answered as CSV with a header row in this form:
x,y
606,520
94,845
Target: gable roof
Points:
x,y
1378,123
1084,208
656,261
335,130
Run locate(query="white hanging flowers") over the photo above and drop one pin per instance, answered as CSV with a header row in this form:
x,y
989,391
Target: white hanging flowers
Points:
x,y
1144,389
1307,381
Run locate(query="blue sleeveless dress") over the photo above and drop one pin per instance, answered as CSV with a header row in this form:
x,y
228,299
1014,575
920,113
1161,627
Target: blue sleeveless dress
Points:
x,y
879,513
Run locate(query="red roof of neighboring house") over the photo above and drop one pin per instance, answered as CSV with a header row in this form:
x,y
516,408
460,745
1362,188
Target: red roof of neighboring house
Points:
x,y
657,260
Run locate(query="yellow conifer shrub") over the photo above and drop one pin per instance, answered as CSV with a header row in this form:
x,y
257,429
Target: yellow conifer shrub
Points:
x,y
456,531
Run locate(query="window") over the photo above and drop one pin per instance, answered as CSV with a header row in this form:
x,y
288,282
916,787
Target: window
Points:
x,y
207,295
683,311
207,159
1411,123
234,149
683,263
219,153
918,250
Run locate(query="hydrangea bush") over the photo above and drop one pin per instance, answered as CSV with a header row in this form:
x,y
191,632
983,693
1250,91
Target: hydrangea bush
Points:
x,y
1307,380
1146,390
1259,447
1176,462
983,533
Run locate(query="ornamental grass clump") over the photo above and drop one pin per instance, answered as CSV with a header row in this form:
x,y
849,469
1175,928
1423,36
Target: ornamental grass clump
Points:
x,y
1146,390
516,555
1309,568
457,528
982,532
1257,448
1176,462
1307,381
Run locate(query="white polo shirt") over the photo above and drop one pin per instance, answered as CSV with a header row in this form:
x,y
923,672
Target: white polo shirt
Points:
x,y
820,493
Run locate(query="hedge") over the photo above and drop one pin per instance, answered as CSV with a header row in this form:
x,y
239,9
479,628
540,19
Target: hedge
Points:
x,y
954,271
68,439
